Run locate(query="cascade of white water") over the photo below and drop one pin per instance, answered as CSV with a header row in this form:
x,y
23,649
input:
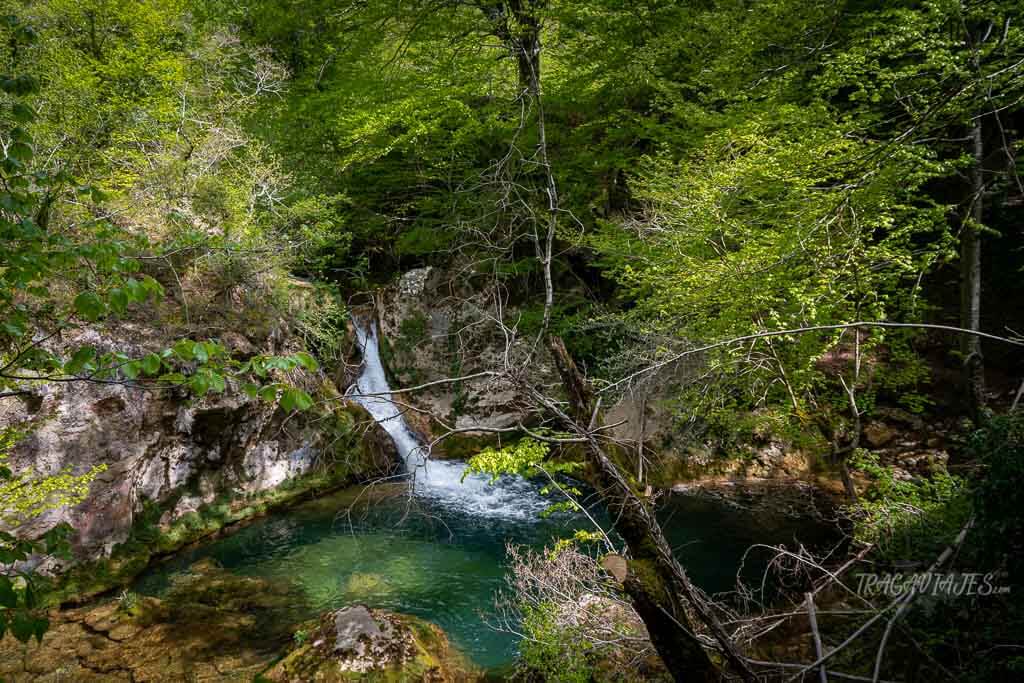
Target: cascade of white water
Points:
x,y
439,480
374,394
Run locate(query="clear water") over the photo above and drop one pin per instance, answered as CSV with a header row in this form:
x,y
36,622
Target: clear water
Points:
x,y
438,481
446,565
435,548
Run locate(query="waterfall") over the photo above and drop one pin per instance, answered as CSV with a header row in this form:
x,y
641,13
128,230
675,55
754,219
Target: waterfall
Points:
x,y
373,393
440,481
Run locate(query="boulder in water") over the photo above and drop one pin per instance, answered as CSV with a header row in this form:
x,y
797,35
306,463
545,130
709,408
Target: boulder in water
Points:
x,y
370,644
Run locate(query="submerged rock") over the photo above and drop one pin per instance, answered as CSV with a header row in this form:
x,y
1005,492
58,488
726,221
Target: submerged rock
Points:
x,y
179,467
370,644
211,626
361,584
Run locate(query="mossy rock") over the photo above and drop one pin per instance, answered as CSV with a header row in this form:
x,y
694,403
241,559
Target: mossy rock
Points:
x,y
212,625
151,539
464,445
362,644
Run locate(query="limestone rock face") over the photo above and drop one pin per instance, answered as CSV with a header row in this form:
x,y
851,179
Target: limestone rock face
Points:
x,y
161,448
369,644
437,325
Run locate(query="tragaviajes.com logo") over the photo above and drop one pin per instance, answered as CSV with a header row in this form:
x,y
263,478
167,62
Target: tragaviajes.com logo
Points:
x,y
931,583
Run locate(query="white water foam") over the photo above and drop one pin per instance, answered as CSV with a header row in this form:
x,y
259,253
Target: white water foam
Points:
x,y
438,480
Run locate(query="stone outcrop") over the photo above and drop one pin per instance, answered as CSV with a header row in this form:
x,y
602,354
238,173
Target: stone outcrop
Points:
x,y
437,326
674,458
172,452
359,643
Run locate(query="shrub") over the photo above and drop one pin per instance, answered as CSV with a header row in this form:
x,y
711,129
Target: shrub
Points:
x,y
575,625
999,494
908,518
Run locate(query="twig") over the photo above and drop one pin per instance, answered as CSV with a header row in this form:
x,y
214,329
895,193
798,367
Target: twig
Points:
x,y
822,673
803,330
906,600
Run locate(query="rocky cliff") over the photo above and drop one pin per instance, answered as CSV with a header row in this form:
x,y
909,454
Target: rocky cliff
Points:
x,y
169,459
438,325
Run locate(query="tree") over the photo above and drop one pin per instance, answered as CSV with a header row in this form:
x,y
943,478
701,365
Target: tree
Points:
x,y
936,76
65,265
789,209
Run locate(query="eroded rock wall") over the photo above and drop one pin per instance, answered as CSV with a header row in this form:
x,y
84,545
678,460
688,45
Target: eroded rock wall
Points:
x,y
439,324
168,450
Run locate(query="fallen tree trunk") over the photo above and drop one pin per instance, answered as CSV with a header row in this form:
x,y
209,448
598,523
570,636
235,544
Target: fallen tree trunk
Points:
x,y
661,592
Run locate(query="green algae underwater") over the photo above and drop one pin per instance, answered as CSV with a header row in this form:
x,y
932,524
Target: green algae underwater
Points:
x,y
383,548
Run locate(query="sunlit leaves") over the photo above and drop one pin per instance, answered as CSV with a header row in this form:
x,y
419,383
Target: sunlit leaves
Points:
x,y
528,457
295,399
23,497
773,224
89,306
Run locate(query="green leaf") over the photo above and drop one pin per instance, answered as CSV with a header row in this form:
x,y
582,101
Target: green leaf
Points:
x,y
151,364
296,399
22,113
89,306
57,540
15,328
152,287
42,625
8,596
269,393
130,370
30,594
19,85
135,290
9,555
259,367
20,151
118,299
184,349
82,358
199,383
307,361
23,626
217,382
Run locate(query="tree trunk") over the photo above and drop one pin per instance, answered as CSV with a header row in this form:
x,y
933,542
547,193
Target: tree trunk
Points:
x,y
517,24
970,281
844,474
656,583
527,48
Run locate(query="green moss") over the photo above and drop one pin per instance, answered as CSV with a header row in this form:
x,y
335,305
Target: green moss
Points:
x,y
434,658
148,539
647,574
465,445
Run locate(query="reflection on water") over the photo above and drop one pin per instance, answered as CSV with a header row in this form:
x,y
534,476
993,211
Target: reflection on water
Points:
x,y
433,560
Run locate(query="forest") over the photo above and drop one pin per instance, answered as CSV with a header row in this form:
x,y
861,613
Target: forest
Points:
x,y
530,340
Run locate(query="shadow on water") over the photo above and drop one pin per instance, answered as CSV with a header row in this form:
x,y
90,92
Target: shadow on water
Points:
x,y
443,563
440,553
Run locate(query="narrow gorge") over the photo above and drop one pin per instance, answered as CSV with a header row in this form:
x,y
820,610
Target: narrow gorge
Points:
x,y
526,340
